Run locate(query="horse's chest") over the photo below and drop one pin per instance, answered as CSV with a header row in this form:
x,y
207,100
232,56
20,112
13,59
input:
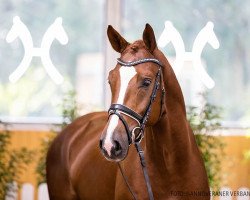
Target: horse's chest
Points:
x,y
132,171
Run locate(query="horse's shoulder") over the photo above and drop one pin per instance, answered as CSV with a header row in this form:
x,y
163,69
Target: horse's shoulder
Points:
x,y
94,116
77,130
94,119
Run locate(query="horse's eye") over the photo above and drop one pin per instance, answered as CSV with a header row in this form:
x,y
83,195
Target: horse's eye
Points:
x,y
146,82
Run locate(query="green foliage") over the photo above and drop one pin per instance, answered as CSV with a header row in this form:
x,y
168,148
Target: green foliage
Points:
x,y
41,166
12,162
69,109
203,121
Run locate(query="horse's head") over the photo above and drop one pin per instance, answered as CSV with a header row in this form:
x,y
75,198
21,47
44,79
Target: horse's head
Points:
x,y
58,31
15,29
212,39
134,84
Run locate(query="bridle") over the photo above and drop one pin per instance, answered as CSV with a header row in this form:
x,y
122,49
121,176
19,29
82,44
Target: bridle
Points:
x,y
120,110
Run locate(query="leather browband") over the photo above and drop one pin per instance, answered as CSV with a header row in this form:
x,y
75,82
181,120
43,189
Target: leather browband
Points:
x,y
137,62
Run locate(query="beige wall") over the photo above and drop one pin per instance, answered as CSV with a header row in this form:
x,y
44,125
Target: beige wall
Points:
x,y
236,169
31,140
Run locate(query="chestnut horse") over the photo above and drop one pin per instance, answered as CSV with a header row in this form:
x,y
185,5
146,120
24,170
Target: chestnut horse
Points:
x,y
78,161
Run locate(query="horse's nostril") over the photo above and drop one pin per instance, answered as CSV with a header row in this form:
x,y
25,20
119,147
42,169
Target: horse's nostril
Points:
x,y
100,143
117,147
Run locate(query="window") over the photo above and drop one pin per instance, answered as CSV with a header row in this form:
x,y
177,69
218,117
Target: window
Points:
x,y
228,66
79,61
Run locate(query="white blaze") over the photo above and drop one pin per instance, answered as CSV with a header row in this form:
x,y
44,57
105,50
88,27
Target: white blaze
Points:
x,y
126,74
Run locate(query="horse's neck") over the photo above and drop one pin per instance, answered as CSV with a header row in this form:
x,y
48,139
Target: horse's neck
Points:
x,y
172,154
172,132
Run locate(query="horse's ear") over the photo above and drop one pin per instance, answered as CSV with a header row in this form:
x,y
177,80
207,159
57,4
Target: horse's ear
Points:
x,y
149,38
116,40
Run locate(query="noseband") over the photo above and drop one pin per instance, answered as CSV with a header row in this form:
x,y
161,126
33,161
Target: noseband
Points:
x,y
119,110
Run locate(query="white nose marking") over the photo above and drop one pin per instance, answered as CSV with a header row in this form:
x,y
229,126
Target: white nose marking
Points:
x,y
111,127
126,74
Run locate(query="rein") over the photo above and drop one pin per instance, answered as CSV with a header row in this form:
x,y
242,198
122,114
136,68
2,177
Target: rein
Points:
x,y
119,110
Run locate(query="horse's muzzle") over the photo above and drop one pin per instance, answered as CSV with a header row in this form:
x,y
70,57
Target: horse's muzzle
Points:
x,y
113,150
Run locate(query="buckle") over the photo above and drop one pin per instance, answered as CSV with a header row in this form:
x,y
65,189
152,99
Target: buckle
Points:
x,y
111,112
138,138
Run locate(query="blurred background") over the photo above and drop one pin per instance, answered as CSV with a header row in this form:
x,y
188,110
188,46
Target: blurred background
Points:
x,y
34,108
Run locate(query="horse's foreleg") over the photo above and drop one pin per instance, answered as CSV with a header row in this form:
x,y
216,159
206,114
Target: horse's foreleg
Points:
x,y
59,185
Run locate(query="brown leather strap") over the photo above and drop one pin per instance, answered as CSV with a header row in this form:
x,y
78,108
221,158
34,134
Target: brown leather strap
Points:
x,y
145,173
126,181
144,169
